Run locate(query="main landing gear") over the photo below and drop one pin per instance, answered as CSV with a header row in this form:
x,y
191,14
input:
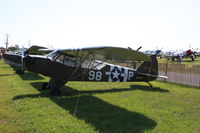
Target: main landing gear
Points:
x,y
54,86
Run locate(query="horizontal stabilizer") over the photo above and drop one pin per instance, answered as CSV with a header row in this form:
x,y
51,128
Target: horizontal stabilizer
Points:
x,y
157,76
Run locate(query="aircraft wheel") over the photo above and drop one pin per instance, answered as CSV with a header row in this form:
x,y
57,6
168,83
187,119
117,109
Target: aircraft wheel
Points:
x,y
192,58
18,71
173,58
45,86
55,92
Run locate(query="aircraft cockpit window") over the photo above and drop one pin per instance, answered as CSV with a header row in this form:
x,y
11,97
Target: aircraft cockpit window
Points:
x,y
68,60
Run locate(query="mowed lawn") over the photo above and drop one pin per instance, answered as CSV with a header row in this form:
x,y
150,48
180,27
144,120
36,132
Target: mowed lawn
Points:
x,y
102,107
186,61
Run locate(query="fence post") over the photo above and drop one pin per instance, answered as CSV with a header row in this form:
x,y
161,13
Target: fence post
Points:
x,y
199,76
166,68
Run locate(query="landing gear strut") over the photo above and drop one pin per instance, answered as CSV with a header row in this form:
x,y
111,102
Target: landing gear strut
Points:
x,y
45,86
55,92
150,85
54,85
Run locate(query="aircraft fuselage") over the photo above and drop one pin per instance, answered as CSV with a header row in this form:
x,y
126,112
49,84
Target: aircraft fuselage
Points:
x,y
104,72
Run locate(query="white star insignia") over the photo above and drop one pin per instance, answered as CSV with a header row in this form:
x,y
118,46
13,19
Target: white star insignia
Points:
x,y
115,74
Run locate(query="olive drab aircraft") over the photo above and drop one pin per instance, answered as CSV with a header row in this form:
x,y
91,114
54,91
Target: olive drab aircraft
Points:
x,y
90,64
16,58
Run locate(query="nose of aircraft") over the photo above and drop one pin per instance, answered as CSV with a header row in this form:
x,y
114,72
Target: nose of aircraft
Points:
x,y
38,64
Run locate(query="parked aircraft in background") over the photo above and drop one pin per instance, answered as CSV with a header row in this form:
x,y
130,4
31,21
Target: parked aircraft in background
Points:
x,y
154,52
196,51
15,58
157,52
179,54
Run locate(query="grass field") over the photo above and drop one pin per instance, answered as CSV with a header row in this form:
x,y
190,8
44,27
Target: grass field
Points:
x,y
186,61
103,107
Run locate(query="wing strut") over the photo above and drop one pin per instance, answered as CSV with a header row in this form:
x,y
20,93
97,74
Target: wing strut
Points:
x,y
78,97
79,66
82,60
150,85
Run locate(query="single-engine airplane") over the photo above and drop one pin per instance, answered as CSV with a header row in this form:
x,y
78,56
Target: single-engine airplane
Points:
x,y
63,65
16,58
181,54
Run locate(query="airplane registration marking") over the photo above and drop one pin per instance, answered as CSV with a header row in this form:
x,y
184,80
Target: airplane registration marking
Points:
x,y
116,73
95,75
130,75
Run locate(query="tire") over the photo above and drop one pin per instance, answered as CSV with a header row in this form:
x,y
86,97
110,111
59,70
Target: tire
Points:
x,y
18,71
45,86
56,92
192,58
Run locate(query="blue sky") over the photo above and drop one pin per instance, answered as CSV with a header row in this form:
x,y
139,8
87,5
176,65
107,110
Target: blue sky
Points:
x,y
171,24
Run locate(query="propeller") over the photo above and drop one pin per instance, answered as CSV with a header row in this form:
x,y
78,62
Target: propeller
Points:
x,y
136,49
22,59
139,48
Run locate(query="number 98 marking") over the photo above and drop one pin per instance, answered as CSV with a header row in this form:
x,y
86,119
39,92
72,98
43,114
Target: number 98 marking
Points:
x,y
95,75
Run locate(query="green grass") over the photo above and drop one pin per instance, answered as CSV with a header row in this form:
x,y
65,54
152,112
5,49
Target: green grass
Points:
x,y
103,107
186,61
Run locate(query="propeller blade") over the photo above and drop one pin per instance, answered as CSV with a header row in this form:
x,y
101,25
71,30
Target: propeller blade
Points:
x,y
22,59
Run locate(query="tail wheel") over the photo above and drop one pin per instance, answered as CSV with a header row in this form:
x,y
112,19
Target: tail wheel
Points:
x,y
192,58
45,86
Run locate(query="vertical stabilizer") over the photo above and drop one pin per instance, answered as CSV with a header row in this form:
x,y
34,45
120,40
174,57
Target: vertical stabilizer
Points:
x,y
150,68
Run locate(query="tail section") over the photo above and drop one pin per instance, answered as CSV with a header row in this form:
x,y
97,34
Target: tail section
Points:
x,y
149,67
149,70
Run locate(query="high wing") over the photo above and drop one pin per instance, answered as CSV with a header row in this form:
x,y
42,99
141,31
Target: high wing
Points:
x,y
88,64
104,52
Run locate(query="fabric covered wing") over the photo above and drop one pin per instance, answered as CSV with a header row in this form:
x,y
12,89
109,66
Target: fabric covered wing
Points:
x,y
110,53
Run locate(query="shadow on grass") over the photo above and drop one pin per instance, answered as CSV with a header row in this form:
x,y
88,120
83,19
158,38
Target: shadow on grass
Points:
x,y
26,76
187,61
30,76
103,116
147,88
184,61
7,74
5,67
104,91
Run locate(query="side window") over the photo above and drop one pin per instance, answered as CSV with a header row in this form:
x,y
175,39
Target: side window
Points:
x,y
60,58
67,60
